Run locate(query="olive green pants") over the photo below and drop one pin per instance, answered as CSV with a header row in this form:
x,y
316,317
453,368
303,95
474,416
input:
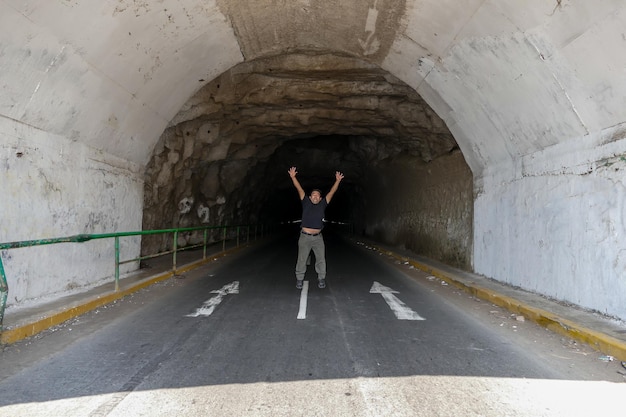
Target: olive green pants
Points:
x,y
306,244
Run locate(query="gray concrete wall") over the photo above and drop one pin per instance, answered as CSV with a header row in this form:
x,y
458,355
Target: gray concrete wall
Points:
x,y
53,187
556,224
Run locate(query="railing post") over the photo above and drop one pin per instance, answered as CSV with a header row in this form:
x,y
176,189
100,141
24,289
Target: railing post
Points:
x,y
204,247
117,263
4,292
175,251
238,236
224,239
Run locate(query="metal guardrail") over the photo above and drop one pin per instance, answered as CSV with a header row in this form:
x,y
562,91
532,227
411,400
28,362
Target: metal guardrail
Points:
x,y
4,288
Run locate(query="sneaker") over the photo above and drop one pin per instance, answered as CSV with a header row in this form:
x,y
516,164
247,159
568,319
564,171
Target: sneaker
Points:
x,y
321,283
299,284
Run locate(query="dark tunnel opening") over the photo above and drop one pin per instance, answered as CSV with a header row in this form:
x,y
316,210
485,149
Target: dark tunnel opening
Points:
x,y
316,159
389,194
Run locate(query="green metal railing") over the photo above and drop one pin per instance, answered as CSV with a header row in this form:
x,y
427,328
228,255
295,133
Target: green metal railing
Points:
x,y
246,229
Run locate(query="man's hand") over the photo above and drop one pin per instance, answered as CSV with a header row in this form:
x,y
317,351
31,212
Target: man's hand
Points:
x,y
292,173
333,190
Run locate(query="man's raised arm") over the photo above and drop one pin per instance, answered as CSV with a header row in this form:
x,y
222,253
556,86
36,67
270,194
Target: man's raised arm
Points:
x,y
292,173
333,190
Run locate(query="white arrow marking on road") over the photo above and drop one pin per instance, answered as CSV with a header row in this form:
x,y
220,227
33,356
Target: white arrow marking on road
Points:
x,y
303,300
400,309
209,305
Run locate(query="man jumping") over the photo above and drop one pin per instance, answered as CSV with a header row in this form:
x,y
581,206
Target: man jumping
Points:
x,y
313,209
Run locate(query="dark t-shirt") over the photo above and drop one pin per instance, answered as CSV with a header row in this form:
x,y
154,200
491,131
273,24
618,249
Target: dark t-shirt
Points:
x,y
312,214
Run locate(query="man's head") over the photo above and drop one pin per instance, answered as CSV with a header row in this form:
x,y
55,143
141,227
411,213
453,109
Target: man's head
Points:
x,y
316,196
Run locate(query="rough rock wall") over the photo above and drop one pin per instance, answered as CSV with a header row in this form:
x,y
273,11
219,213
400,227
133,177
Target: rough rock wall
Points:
x,y
189,183
215,163
424,207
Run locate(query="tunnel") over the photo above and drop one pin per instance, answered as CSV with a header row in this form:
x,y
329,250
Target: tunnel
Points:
x,y
485,135
321,114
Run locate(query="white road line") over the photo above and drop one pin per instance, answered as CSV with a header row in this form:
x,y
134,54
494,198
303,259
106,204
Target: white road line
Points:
x,y
303,300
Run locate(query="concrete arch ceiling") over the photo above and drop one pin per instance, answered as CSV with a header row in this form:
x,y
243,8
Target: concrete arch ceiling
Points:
x,y
508,79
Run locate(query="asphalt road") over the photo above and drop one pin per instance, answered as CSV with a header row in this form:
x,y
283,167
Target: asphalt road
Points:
x,y
236,338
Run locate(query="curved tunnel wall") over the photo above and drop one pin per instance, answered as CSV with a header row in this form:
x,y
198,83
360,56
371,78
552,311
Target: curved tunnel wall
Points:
x,y
536,108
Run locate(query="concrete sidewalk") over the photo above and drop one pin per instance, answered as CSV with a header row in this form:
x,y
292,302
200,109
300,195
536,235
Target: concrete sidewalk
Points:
x,y
603,333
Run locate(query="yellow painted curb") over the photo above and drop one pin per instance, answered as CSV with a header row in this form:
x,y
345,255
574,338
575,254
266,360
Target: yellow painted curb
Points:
x,y
599,341
16,334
